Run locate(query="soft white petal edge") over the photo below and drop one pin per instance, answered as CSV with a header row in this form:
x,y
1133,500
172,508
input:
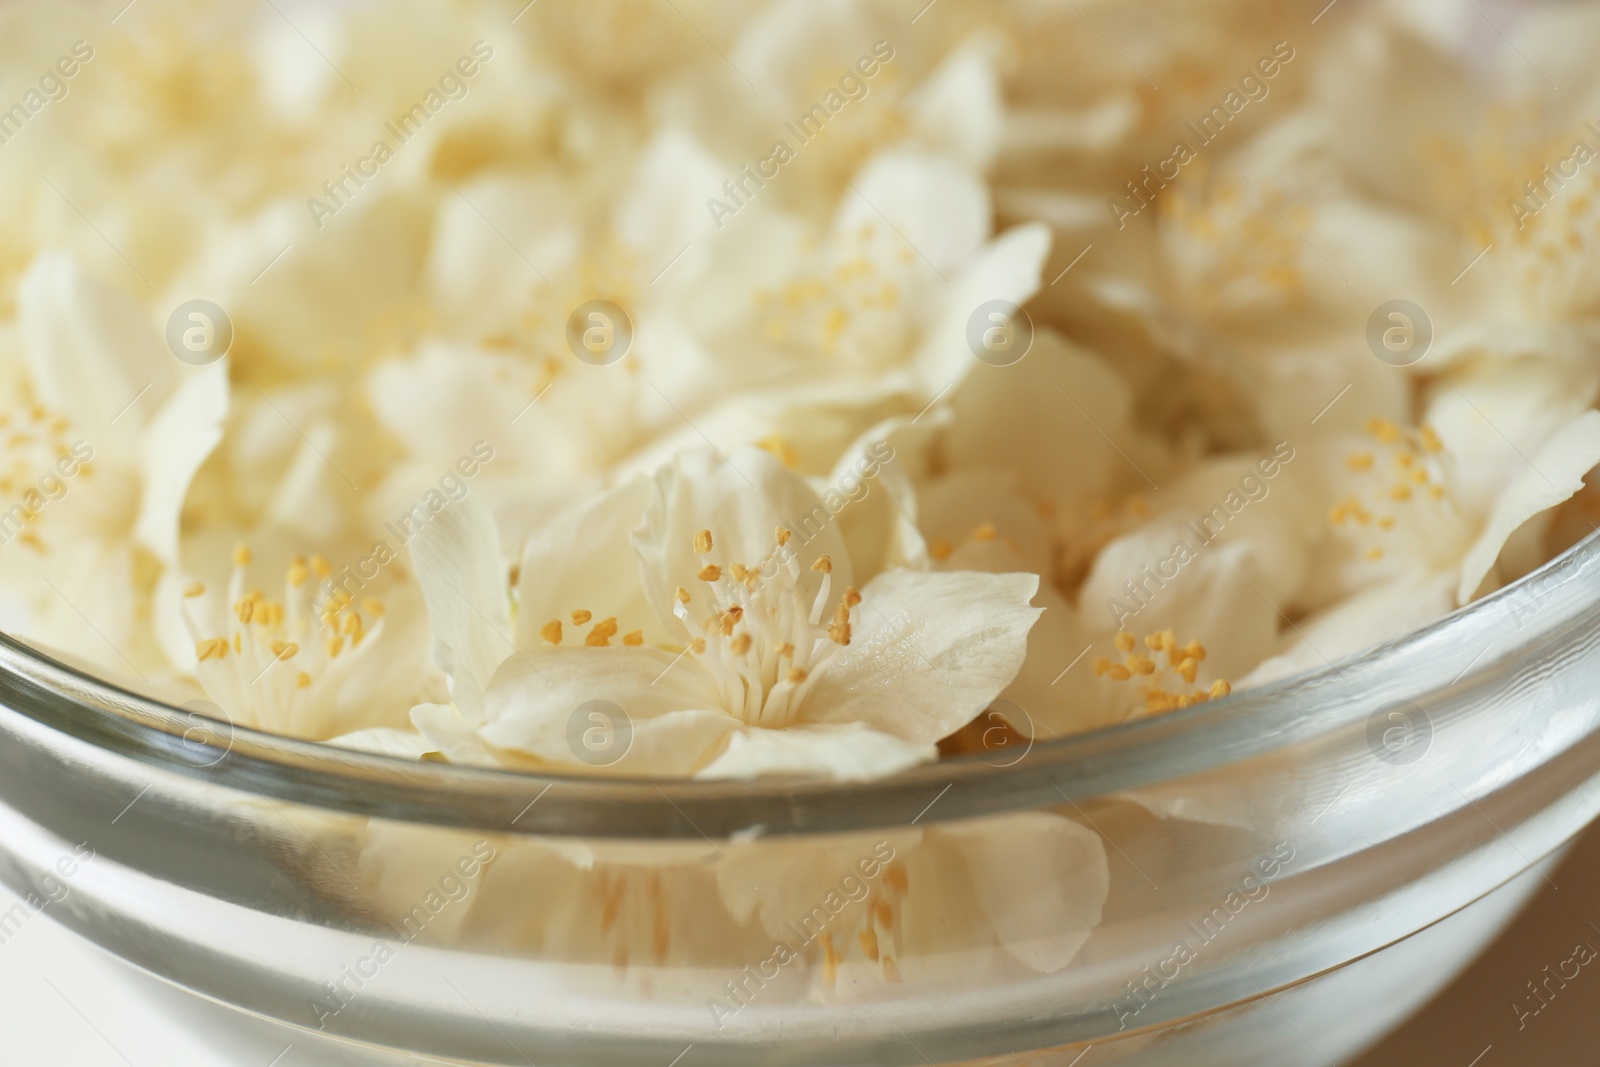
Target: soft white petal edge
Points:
x,y
844,752
458,564
1553,474
1041,879
177,441
386,741
930,652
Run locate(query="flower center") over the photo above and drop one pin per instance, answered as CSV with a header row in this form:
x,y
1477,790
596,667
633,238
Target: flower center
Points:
x,y
851,310
1400,505
761,641
36,444
279,662
1167,686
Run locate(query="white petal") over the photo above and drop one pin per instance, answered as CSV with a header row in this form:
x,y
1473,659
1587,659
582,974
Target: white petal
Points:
x,y
177,441
960,108
1552,474
929,653
1498,413
458,564
1370,617
840,751
663,215
545,703
92,351
1006,268
934,204
445,731
386,741
1220,597
582,559
1041,880
1060,404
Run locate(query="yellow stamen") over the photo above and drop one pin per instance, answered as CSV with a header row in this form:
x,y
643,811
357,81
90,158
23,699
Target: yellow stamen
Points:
x,y
710,573
551,631
635,638
195,589
702,542
241,555
580,617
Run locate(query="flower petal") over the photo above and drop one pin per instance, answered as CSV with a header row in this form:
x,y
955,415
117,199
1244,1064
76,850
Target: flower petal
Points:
x,y
546,703
1552,475
91,350
841,751
386,741
930,652
1041,880
177,441
458,564
583,560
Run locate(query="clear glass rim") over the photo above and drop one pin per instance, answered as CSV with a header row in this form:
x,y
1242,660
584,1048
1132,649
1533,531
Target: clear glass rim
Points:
x,y
1115,759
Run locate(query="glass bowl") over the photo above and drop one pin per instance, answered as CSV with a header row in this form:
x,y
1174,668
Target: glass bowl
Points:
x,y
1291,871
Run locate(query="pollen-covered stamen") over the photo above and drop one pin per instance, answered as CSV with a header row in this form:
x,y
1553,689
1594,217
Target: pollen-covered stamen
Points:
x,y
764,640
1167,675
1401,504
39,458
278,664
850,305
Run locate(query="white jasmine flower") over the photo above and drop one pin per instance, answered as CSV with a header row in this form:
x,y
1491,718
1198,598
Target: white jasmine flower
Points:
x,y
1430,517
759,657
943,904
314,661
108,431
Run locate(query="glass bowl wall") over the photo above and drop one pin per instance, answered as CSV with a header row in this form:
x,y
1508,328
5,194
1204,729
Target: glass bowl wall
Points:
x,y
1328,851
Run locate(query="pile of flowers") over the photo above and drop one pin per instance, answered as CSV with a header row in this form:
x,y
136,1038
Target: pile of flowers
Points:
x,y
758,388
778,384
